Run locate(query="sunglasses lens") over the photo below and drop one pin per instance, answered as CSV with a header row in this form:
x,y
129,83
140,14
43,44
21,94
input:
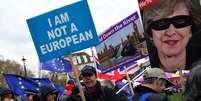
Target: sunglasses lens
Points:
x,y
182,21
177,21
160,24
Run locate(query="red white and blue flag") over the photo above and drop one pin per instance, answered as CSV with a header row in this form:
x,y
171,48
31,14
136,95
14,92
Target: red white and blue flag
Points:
x,y
117,74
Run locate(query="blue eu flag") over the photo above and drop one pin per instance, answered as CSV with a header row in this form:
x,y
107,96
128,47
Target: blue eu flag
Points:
x,y
19,84
57,65
46,81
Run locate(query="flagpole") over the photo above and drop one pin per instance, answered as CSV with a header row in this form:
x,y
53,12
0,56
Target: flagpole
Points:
x,y
75,70
129,80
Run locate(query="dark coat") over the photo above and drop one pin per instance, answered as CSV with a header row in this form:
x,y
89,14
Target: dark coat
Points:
x,y
101,93
140,90
45,90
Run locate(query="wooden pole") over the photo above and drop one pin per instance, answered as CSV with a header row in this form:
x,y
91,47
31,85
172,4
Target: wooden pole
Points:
x,y
129,81
75,70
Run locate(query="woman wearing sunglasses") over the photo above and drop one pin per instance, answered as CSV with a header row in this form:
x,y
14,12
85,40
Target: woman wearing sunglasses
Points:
x,y
170,25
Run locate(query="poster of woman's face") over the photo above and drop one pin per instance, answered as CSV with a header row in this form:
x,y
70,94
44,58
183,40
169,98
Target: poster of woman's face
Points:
x,y
173,31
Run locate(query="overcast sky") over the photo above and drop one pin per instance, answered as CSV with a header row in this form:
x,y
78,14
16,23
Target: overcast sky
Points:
x,y
15,39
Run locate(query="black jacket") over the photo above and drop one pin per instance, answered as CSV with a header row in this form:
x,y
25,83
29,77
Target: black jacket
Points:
x,y
140,90
101,93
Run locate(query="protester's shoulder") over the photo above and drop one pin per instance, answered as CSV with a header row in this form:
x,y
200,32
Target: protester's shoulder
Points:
x,y
151,97
107,89
157,97
104,88
140,90
110,94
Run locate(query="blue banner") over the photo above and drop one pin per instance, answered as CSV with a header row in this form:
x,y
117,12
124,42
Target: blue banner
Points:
x,y
63,31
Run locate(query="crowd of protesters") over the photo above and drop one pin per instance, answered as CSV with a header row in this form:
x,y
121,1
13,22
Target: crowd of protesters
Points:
x,y
92,88
152,89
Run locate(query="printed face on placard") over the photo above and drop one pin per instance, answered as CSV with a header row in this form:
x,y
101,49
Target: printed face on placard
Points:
x,y
171,40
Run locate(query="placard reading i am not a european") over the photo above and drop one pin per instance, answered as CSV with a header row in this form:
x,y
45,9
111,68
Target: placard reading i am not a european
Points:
x,y
63,31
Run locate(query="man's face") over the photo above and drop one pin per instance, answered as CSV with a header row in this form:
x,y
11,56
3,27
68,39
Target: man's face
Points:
x,y
89,80
51,97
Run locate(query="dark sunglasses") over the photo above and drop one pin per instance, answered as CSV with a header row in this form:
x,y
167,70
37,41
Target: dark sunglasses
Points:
x,y
178,22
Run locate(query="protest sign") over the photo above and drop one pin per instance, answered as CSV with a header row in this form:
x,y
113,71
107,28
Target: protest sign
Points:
x,y
63,31
122,44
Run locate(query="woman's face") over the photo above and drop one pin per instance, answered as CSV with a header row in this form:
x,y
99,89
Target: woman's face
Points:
x,y
170,40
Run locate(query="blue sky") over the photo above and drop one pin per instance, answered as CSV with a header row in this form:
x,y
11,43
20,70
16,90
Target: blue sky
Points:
x,y
16,41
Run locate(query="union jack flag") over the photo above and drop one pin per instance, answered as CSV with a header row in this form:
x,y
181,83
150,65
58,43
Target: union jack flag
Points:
x,y
117,74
